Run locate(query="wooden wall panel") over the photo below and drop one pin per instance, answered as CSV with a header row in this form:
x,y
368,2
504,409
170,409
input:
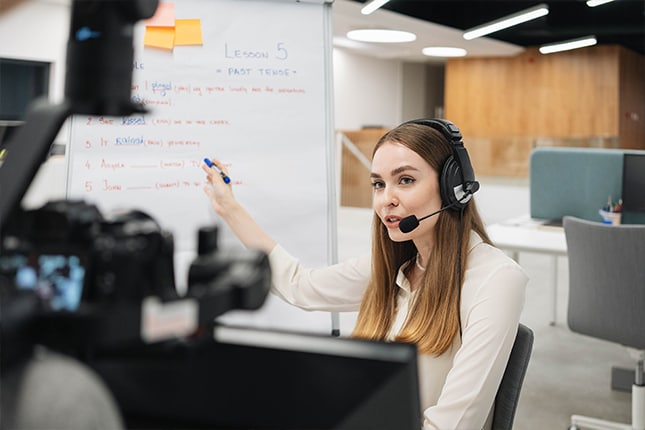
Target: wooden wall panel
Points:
x,y
632,100
506,106
557,95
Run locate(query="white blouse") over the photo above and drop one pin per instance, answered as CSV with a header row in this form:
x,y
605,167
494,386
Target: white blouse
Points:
x,y
458,387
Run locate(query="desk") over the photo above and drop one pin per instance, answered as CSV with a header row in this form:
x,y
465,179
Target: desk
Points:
x,y
524,234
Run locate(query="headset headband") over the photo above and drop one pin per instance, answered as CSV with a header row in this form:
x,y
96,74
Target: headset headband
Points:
x,y
452,133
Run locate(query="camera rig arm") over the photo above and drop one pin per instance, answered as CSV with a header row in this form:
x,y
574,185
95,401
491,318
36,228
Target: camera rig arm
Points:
x,y
43,121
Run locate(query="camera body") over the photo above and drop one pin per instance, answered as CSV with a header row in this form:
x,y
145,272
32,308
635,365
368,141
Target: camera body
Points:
x,y
71,256
82,284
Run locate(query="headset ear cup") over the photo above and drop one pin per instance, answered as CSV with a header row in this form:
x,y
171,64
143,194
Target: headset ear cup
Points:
x,y
448,182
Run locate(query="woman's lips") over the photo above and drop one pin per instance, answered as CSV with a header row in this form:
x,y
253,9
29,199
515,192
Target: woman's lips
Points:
x,y
391,221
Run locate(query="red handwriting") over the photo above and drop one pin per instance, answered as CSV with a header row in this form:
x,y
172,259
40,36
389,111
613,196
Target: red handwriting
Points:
x,y
160,185
107,186
111,165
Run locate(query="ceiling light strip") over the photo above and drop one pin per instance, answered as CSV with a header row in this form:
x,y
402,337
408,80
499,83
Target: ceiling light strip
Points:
x,y
507,21
443,51
594,3
567,45
372,6
381,35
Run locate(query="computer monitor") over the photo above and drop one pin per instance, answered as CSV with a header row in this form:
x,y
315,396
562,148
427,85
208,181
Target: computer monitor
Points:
x,y
21,82
259,379
633,182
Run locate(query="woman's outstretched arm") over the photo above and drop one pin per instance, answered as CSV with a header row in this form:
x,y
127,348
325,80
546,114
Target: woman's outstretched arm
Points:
x,y
232,212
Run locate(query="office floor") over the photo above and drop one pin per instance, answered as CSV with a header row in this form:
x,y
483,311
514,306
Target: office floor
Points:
x,y
568,373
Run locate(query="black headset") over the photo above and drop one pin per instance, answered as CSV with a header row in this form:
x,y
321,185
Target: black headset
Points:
x,y
457,182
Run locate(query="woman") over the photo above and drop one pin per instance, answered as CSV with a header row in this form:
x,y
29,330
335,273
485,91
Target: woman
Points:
x,y
441,284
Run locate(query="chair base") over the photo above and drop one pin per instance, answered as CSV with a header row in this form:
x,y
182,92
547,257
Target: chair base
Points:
x,y
638,416
589,423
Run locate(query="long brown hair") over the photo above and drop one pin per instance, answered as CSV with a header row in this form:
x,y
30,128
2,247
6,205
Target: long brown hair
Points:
x,y
434,319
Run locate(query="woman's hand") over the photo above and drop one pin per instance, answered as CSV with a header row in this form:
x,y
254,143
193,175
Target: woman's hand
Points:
x,y
219,193
229,209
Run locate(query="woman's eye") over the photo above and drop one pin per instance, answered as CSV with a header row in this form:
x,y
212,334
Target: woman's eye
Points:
x,y
377,185
406,180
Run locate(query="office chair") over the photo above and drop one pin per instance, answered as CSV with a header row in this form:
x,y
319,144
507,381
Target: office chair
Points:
x,y
508,393
607,298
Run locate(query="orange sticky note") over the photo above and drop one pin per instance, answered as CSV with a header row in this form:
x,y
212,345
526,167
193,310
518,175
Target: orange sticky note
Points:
x,y
159,37
188,32
164,16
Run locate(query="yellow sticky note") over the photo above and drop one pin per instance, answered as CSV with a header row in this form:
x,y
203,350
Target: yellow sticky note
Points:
x,y
164,16
188,32
159,37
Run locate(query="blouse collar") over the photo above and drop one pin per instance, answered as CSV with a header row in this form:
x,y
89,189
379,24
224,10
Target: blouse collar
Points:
x,y
402,280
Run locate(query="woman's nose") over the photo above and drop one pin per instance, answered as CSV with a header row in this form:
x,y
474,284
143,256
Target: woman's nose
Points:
x,y
391,198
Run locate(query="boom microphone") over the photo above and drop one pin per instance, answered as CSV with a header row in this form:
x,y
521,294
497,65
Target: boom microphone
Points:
x,y
409,223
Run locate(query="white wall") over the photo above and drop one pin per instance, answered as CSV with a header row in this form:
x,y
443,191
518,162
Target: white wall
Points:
x,y
367,91
413,91
38,30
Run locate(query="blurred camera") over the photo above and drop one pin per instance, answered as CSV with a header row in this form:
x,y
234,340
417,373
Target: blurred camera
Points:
x,y
70,255
80,283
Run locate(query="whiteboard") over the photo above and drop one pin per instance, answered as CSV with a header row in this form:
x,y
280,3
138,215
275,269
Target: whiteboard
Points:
x,y
256,94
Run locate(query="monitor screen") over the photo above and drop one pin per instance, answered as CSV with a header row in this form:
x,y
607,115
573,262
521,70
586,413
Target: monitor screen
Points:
x,y
21,82
634,182
57,279
250,378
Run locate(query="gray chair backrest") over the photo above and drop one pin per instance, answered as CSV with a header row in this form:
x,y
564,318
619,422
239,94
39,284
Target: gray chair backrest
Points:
x,y
508,393
606,280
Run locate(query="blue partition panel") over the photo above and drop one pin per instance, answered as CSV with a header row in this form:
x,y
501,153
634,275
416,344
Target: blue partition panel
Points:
x,y
574,181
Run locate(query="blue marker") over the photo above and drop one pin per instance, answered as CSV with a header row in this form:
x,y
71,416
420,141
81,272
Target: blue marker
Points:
x,y
210,164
